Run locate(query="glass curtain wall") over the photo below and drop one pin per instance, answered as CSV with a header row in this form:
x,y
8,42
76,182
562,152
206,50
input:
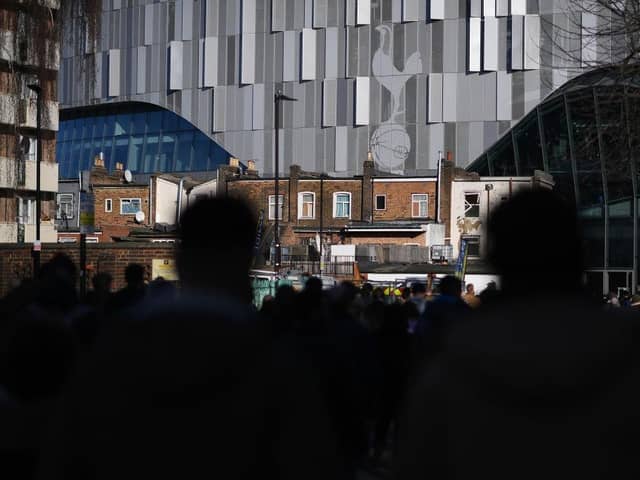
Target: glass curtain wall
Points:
x,y
588,138
145,139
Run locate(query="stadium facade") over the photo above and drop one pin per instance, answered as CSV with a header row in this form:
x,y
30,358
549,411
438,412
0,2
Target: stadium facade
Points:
x,y
402,79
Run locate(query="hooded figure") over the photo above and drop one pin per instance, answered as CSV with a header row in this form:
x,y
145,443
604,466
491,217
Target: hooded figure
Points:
x,y
543,383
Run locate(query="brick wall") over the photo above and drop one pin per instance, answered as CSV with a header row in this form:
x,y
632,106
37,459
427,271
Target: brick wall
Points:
x,y
399,199
16,261
390,238
114,223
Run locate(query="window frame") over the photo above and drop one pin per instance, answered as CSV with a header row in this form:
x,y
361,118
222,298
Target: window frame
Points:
x,y
474,205
475,239
59,203
380,195
335,204
414,201
108,209
123,200
280,204
301,203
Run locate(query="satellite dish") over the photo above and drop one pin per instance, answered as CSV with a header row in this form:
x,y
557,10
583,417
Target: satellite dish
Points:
x,y
128,177
139,216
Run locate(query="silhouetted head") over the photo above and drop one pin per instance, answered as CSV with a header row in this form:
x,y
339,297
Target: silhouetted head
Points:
x,y
534,243
134,275
102,282
216,248
450,286
314,286
418,289
58,283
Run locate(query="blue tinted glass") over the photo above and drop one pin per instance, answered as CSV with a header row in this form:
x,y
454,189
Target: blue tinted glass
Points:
x,y
150,155
169,122
137,124
109,125
122,126
182,147
120,150
98,127
107,150
183,155
166,153
87,128
154,122
200,152
134,162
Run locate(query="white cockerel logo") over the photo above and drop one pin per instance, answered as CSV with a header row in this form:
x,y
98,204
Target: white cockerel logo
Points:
x,y
388,74
390,143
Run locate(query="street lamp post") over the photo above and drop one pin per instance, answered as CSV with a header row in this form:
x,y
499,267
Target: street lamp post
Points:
x,y
37,245
278,97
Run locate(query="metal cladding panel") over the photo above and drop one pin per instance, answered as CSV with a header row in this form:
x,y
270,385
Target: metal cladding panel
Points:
x,y
350,12
320,13
114,73
248,16
491,42
309,52
502,8
504,96
450,97
589,50
489,8
437,10
435,98
475,8
411,10
531,42
210,57
517,42
248,59
148,24
363,12
475,44
362,101
332,58
278,15
187,19
329,102
518,7
290,61
175,65
142,64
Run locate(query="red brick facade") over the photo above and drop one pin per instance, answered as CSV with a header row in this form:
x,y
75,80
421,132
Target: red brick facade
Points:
x,y
16,261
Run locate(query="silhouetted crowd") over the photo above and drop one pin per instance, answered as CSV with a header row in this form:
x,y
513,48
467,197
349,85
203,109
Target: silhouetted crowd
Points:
x,y
532,380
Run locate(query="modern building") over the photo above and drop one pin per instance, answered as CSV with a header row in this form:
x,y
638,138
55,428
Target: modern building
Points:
x,y
402,79
587,136
28,63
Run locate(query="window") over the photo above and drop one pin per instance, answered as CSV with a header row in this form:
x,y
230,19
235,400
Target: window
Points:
x,y
26,211
381,202
419,205
272,207
306,205
342,205
129,206
472,205
108,205
473,246
64,206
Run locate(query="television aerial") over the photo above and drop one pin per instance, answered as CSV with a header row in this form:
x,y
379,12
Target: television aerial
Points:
x,y
128,177
139,216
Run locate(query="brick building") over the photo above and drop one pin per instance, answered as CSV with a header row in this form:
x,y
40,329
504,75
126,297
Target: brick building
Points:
x,y
373,209
29,61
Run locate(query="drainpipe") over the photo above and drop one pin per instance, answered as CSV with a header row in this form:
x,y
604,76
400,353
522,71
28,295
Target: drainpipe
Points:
x,y
151,220
438,184
180,190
